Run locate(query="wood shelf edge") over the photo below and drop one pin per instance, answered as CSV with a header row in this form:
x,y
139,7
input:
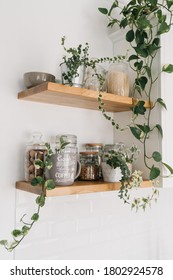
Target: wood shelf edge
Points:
x,y
79,187
41,93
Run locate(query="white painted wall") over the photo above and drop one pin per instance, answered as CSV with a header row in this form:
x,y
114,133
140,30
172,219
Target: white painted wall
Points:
x,y
91,226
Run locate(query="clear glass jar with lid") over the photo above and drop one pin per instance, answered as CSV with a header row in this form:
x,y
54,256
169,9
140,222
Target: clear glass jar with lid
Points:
x,y
96,147
66,166
118,79
35,150
89,166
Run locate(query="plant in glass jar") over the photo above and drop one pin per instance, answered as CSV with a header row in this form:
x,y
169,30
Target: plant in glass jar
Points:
x,y
144,21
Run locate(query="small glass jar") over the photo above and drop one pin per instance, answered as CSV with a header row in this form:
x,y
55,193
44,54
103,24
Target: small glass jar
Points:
x,y
92,81
66,167
35,150
118,79
96,147
89,166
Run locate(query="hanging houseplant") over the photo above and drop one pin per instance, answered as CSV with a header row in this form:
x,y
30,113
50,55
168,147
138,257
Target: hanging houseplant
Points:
x,y
144,22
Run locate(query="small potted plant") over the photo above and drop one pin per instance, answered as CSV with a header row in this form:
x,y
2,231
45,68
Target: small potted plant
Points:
x,y
74,64
114,166
118,163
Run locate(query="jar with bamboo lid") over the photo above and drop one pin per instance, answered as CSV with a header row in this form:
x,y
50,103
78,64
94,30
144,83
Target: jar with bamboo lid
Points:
x,y
89,166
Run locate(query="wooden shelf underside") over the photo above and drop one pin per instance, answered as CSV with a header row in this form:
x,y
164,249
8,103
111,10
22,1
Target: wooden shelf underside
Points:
x,y
79,187
59,94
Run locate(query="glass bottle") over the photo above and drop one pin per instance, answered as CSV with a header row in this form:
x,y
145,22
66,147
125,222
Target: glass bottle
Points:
x,y
35,150
89,166
118,79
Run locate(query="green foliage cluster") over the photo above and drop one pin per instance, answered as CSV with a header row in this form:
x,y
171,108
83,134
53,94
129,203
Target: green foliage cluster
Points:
x,y
19,234
145,21
75,57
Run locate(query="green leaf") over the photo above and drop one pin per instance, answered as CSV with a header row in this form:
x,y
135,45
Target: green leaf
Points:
x,y
156,41
38,164
161,102
136,132
130,36
34,182
103,11
139,108
143,52
49,184
25,230
163,28
168,68
138,65
145,128
158,126
4,242
169,3
35,217
153,2
142,81
37,181
123,23
132,57
40,200
168,167
157,156
154,172
148,70
143,22
16,232
48,163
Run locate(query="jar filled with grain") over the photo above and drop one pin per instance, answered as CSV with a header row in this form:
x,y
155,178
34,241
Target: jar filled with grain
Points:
x,y
89,166
118,79
35,150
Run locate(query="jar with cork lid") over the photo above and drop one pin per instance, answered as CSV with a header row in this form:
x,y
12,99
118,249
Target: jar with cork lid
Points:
x,y
34,150
118,79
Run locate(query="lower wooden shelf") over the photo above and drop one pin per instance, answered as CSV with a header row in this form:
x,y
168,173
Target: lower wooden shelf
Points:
x,y
79,187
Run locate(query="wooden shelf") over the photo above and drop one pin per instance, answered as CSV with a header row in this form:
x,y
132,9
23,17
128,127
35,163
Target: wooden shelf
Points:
x,y
79,187
59,94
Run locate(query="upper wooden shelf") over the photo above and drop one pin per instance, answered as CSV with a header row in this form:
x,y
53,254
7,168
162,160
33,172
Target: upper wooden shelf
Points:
x,y
79,187
59,94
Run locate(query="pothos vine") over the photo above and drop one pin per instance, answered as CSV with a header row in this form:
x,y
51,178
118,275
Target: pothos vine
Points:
x,y
145,21
45,184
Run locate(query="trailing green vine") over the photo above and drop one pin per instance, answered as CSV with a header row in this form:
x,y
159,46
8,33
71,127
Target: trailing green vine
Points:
x,y
145,21
19,234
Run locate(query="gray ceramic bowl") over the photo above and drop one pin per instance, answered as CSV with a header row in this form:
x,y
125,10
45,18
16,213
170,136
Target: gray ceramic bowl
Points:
x,y
32,79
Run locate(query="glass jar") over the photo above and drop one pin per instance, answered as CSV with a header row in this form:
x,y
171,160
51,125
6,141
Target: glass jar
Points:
x,y
118,79
35,150
92,81
118,146
66,166
96,147
89,166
